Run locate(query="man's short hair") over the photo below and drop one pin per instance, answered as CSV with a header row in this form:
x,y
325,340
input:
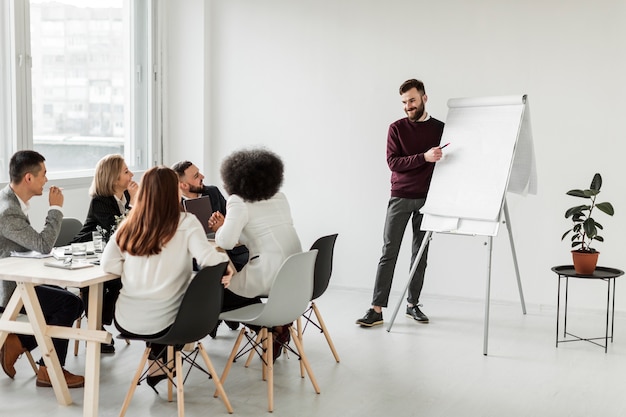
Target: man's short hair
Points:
x,y
412,83
23,162
180,168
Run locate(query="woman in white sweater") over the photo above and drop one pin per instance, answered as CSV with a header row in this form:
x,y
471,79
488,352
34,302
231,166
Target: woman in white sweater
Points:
x,y
152,250
258,216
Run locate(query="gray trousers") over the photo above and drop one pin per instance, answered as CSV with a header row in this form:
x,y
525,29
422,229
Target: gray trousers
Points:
x,y
399,211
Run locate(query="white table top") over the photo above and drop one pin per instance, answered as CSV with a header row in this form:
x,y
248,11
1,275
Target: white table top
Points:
x,y
34,271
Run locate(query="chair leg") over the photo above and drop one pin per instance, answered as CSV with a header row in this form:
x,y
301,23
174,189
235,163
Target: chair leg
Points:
x,y
229,362
331,345
216,380
304,359
180,394
170,357
299,327
32,362
133,384
76,342
269,364
266,355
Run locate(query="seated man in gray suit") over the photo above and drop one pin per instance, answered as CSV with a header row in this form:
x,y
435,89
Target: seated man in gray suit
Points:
x,y
60,307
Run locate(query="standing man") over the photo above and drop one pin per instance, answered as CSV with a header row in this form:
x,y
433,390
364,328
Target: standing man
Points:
x,y
27,173
412,150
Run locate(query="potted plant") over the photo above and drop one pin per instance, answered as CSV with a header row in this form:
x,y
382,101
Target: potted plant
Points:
x,y
585,228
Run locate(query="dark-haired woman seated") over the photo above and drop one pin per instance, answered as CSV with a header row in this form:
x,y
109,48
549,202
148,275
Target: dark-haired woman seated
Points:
x,y
152,250
258,217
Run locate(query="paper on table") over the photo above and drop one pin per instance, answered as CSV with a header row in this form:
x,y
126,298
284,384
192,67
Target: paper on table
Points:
x,y
30,254
68,265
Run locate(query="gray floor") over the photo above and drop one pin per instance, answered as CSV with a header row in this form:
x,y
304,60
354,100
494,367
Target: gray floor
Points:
x,y
429,370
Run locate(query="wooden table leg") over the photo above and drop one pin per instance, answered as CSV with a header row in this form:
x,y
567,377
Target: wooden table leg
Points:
x,y
92,360
44,342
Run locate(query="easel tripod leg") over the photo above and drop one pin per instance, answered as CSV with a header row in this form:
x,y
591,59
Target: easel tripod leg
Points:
x,y
411,273
487,297
507,218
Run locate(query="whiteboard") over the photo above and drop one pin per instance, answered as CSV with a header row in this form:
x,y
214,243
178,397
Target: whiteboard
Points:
x,y
469,183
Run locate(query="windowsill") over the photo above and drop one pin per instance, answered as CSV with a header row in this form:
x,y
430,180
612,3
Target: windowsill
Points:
x,y
80,180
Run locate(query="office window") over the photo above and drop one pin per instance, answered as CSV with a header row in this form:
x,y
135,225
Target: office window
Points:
x,y
84,86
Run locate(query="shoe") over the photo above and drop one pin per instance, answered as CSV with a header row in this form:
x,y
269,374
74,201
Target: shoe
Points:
x,y
73,381
107,348
416,314
283,337
11,350
371,318
213,333
232,325
153,380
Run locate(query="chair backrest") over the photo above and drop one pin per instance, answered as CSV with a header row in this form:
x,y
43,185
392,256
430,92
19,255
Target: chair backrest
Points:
x,y
325,246
199,310
69,228
291,291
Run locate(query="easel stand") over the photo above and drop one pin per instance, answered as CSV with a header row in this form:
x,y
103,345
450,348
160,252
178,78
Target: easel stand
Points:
x,y
489,245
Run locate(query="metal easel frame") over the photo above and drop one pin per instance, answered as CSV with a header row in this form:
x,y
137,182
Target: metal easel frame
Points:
x,y
489,245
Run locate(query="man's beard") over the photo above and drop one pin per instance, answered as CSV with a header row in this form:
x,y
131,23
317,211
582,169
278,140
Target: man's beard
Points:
x,y
419,112
197,190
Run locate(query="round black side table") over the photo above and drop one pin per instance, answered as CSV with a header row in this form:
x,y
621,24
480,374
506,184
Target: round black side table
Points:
x,y
600,274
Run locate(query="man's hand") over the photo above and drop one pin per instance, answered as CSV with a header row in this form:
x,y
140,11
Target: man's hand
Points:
x,y
55,196
216,221
433,154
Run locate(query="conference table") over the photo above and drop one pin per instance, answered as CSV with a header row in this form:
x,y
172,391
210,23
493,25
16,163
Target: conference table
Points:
x,y
28,273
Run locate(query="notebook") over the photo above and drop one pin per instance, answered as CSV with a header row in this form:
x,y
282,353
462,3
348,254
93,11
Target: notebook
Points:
x,y
201,208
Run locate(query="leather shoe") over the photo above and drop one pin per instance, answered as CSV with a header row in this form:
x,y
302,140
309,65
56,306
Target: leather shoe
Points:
x,y
107,348
73,381
11,350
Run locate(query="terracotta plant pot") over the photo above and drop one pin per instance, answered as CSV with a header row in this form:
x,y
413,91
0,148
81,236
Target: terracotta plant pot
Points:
x,y
585,262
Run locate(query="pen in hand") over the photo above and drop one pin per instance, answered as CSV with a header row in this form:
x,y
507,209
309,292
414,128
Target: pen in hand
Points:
x,y
443,146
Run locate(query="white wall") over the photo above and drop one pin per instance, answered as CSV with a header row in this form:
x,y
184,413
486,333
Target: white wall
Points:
x,y
317,82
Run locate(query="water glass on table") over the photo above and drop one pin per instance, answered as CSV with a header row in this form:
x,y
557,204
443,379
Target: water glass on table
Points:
x,y
79,251
98,242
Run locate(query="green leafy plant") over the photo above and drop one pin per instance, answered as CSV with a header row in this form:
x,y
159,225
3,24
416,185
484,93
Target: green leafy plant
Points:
x,y
106,234
585,228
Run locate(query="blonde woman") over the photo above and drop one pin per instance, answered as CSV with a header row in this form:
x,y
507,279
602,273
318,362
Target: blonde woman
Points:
x,y
112,191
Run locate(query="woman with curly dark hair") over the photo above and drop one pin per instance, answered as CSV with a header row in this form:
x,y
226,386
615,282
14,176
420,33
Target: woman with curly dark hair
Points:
x,y
258,216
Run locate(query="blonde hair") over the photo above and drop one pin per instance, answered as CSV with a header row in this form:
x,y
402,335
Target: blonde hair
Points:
x,y
108,170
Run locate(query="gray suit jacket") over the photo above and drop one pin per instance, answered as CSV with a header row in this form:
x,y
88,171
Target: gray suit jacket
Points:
x,y
16,233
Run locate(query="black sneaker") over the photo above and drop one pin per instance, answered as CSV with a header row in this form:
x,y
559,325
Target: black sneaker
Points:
x,y
416,314
371,318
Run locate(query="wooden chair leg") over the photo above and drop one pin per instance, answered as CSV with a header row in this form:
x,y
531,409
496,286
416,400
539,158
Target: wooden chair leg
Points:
x,y
331,345
133,384
304,359
299,328
180,394
32,362
219,388
231,358
170,357
76,342
269,364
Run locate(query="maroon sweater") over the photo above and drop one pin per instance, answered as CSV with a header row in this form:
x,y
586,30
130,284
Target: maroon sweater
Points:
x,y
406,144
